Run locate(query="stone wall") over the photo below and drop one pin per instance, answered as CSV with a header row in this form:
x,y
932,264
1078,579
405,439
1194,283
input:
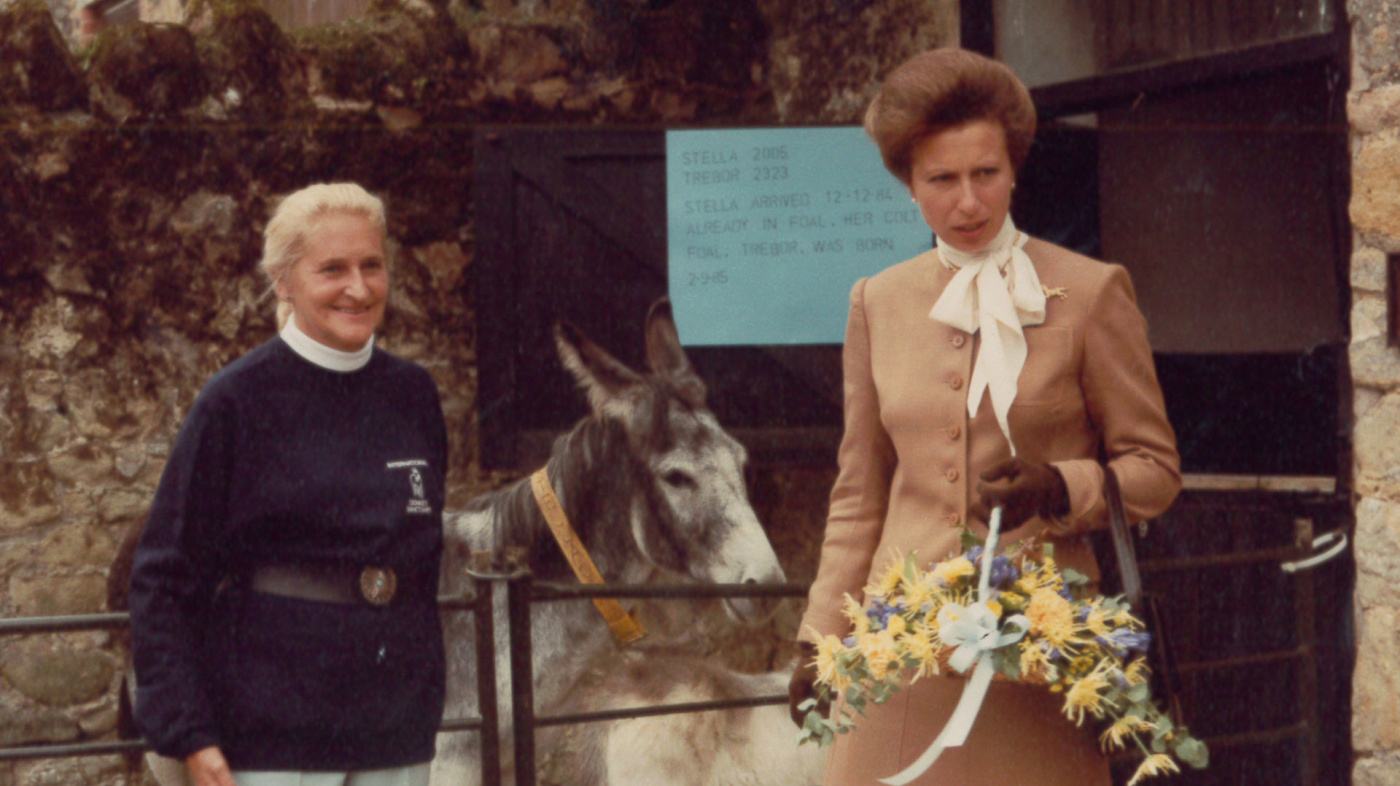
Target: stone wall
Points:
x,y
1374,111
135,179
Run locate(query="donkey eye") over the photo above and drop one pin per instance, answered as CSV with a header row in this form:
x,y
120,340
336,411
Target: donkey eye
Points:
x,y
678,479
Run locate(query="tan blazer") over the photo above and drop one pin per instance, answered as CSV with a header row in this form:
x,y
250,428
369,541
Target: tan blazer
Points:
x,y
910,455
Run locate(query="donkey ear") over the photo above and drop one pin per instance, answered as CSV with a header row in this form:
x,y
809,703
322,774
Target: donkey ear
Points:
x,y
667,357
664,352
603,377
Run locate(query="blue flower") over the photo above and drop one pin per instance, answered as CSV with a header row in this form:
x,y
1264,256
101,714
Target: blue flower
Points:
x,y
880,612
848,642
1135,642
974,555
1004,574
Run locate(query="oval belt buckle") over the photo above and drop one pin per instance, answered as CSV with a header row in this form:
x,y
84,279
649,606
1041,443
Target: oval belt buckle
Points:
x,y
378,585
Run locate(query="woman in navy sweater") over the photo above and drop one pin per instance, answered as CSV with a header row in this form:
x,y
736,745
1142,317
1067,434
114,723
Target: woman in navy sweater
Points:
x,y
285,629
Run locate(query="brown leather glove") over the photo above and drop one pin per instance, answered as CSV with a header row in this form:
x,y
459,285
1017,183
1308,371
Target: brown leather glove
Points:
x,y
803,684
1024,490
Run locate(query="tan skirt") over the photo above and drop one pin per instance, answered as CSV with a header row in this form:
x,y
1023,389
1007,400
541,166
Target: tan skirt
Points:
x,y
1020,738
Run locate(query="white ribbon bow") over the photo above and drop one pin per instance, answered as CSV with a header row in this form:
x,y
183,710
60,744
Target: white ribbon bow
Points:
x,y
975,632
979,298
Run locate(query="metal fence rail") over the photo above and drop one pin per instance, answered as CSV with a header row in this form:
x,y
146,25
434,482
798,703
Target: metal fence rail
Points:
x,y
484,724
522,592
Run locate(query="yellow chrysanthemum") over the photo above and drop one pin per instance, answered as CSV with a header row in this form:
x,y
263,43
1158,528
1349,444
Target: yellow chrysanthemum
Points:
x,y
896,625
1156,764
1099,621
1035,665
1124,618
1137,672
1113,737
853,611
949,571
920,642
880,651
1051,617
887,583
1013,601
827,649
1087,694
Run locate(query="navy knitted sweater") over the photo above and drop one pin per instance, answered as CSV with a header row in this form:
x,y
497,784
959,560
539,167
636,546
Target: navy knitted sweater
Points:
x,y
283,461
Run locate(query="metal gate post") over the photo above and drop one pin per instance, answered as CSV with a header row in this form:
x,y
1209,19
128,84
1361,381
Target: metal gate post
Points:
x,y
487,705
522,676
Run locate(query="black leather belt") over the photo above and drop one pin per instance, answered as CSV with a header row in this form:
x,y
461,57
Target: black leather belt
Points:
x,y
372,584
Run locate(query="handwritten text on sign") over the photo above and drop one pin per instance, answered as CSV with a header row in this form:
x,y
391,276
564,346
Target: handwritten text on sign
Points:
x,y
768,229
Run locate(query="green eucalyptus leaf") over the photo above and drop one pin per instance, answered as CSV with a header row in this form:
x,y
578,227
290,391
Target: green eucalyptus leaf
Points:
x,y
1193,752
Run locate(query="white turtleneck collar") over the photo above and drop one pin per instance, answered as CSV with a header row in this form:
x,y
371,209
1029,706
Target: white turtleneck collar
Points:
x,y
322,355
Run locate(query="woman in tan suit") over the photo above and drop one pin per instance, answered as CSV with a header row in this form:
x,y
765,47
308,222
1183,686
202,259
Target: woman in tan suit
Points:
x,y
996,369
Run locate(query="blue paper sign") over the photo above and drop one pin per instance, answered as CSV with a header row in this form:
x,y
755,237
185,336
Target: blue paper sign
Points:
x,y
767,229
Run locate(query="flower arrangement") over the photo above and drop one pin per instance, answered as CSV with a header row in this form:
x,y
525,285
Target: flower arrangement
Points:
x,y
1029,621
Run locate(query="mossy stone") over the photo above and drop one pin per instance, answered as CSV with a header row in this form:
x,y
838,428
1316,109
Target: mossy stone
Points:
x,y
39,70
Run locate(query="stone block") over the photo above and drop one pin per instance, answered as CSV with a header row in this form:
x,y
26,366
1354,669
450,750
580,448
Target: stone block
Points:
x,y
446,263
36,725
39,70
45,596
1368,317
43,389
204,213
124,504
26,495
1376,545
87,770
99,721
1377,453
1374,110
1374,363
1375,24
1379,770
1368,269
52,332
146,68
1375,201
50,675
83,465
1375,722
1363,398
77,545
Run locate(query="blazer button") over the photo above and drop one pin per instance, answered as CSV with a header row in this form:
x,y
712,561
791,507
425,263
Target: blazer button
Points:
x,y
951,475
956,383
954,432
958,340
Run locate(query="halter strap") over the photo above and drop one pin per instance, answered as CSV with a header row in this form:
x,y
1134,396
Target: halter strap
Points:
x,y
624,627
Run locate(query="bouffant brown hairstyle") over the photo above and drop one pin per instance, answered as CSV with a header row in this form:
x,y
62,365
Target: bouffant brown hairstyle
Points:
x,y
942,88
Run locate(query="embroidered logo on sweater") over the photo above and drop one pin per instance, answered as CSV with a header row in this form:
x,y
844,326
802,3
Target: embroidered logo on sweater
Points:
x,y
417,499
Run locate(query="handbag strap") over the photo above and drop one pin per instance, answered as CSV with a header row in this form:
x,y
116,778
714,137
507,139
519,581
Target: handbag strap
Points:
x,y
1168,678
1128,572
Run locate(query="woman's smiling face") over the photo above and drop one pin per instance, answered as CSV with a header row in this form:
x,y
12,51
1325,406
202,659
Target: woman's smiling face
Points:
x,y
962,179
339,286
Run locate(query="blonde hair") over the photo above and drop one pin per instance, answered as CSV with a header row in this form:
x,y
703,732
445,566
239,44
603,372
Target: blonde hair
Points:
x,y
942,88
284,239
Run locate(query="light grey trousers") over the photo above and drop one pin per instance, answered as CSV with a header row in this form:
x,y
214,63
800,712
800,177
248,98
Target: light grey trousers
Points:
x,y
169,772
416,775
